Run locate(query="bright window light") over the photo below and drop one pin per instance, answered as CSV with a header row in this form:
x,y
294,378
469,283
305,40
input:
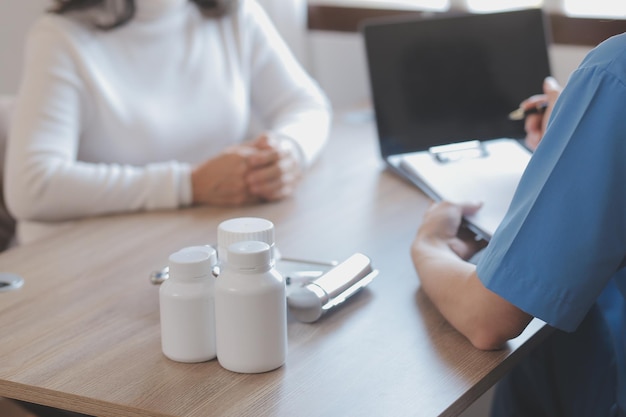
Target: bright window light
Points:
x,y
595,8
599,8
430,5
501,5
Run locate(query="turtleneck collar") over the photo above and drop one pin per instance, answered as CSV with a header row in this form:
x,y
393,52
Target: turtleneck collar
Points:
x,y
155,9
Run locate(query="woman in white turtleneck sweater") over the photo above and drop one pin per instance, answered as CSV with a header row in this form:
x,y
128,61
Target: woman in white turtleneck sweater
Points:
x,y
157,104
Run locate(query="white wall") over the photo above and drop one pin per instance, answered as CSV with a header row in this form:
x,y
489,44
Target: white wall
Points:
x,y
16,16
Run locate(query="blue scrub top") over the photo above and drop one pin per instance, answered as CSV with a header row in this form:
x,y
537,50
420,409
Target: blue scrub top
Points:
x,y
562,245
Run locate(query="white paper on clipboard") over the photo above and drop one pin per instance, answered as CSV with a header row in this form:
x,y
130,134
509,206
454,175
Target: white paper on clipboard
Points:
x,y
490,178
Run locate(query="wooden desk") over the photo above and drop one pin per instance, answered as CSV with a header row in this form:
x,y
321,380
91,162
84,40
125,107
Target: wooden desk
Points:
x,y
83,332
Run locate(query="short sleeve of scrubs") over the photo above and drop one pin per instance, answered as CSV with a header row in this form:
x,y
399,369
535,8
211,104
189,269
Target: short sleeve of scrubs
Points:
x,y
564,236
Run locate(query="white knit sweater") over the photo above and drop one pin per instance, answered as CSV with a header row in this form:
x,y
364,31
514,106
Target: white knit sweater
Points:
x,y
112,121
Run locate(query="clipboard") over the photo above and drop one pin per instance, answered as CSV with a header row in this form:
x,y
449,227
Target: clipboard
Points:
x,y
472,171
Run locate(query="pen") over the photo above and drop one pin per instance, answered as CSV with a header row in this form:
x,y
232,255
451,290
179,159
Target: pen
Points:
x,y
521,113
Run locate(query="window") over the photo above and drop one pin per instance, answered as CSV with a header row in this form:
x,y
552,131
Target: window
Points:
x,y
500,5
580,8
599,8
430,5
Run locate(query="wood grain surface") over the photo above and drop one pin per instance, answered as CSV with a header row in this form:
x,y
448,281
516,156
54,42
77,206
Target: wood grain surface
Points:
x,y
83,332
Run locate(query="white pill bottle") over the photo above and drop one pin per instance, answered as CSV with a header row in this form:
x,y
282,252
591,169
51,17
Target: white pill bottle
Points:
x,y
250,310
187,306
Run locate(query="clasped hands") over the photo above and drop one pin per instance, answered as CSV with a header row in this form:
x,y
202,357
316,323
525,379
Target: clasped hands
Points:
x,y
264,169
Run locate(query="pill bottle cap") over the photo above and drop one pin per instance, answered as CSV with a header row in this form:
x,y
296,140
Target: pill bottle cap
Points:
x,y
243,229
190,263
249,256
210,250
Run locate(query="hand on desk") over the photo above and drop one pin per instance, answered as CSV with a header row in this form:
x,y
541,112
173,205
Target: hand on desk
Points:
x,y
275,168
535,124
442,225
265,169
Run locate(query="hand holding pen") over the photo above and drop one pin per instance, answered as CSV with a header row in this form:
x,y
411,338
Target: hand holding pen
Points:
x,y
536,111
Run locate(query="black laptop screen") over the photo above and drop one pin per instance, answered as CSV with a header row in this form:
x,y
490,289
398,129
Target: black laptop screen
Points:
x,y
448,79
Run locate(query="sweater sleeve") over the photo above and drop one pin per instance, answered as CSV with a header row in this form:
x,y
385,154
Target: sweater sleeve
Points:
x,y
44,180
289,101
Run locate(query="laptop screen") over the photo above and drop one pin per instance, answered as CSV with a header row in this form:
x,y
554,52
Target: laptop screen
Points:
x,y
455,78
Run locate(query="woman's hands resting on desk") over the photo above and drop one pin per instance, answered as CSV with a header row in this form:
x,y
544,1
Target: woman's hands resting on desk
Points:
x,y
265,169
535,124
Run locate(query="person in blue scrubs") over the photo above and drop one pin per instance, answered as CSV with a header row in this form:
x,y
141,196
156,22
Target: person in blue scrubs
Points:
x,y
559,255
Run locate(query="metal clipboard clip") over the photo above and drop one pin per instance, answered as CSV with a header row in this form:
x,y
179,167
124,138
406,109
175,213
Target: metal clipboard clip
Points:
x,y
457,151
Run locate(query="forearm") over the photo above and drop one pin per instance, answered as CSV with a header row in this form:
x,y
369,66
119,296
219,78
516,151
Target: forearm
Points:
x,y
444,277
74,190
451,283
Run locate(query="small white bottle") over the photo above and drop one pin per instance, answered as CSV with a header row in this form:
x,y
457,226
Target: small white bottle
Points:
x,y
250,310
187,306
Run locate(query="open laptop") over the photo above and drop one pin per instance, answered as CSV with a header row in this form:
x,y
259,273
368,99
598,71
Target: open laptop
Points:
x,y
453,79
